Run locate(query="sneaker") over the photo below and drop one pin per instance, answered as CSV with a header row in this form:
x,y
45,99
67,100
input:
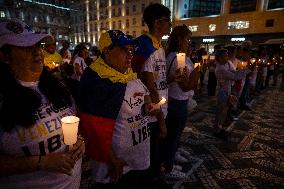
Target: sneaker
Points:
x,y
183,152
179,158
176,174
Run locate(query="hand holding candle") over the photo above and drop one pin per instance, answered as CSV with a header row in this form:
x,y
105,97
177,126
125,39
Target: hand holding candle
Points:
x,y
181,60
196,64
158,105
70,129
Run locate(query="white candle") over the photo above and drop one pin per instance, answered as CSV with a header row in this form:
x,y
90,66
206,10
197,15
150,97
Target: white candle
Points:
x,y
158,105
70,128
196,64
162,101
181,60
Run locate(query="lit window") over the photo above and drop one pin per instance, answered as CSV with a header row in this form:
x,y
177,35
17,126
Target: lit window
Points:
x,y
238,25
36,19
2,14
193,28
212,27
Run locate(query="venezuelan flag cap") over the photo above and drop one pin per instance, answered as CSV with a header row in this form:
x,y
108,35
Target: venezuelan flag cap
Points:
x,y
114,38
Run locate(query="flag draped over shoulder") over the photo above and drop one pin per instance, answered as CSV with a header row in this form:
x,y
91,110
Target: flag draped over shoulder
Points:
x,y
102,90
146,44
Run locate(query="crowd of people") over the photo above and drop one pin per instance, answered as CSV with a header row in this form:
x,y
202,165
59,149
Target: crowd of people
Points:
x,y
131,97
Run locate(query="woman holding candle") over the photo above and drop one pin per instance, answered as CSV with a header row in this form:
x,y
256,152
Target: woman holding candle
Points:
x,y
225,76
113,105
32,103
182,79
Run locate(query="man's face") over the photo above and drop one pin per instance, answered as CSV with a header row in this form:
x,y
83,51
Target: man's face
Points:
x,y
164,25
120,57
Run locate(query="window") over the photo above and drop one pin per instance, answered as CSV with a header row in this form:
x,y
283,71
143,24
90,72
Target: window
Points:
x,y
127,10
113,12
238,25
212,27
119,24
133,8
199,8
119,12
113,25
269,23
242,6
134,21
193,28
275,4
127,23
134,33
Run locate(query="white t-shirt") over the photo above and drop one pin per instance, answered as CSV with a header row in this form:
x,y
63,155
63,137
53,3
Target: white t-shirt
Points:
x,y
174,90
131,135
156,64
43,137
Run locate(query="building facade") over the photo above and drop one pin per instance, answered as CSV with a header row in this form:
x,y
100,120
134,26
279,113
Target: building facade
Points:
x,y
231,21
92,17
48,16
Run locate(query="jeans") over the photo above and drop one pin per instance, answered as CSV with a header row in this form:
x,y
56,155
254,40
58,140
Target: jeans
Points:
x,y
175,121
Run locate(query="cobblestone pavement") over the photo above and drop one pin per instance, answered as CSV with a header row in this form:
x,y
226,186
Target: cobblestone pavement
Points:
x,y
253,157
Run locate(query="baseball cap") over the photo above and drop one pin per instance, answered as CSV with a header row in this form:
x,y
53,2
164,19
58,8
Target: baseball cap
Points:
x,y
17,33
115,38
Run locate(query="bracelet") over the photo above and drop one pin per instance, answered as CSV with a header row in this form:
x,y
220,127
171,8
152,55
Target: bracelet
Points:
x,y
38,163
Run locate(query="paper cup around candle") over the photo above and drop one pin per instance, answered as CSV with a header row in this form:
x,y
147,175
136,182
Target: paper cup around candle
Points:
x,y
181,60
70,129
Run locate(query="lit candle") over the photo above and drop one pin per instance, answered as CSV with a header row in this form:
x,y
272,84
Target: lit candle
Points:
x,y
181,60
196,64
70,128
162,101
158,105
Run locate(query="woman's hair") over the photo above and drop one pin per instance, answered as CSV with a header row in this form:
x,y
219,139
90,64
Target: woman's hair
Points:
x,y
176,38
18,104
153,12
